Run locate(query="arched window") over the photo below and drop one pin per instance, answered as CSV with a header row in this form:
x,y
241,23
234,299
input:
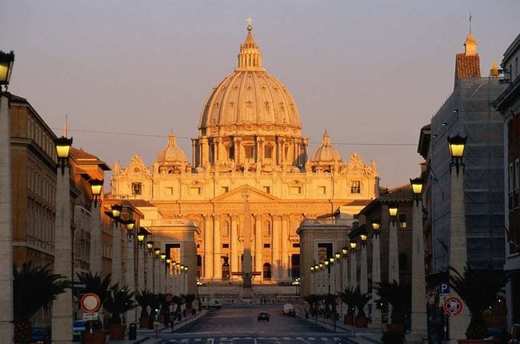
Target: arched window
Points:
x,y
267,271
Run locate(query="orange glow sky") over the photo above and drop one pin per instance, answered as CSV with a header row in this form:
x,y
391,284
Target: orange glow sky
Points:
x,y
368,71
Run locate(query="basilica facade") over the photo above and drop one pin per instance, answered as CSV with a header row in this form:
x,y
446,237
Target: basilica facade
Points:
x,y
249,167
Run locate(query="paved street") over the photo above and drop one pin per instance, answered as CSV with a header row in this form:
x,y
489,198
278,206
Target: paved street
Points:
x,y
239,325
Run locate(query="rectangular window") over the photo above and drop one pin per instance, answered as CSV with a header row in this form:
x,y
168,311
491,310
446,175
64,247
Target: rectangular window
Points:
x,y
296,245
250,152
323,190
225,189
225,245
267,245
137,188
268,152
295,190
169,190
355,187
195,191
267,189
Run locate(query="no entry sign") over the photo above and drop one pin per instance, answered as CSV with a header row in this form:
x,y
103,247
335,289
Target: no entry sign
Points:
x,y
90,303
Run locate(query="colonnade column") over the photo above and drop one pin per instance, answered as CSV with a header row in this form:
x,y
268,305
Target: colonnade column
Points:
x,y
96,244
140,268
363,280
376,279
393,252
116,253
208,248
62,306
6,245
157,276
131,315
418,326
217,249
353,268
149,271
234,246
258,246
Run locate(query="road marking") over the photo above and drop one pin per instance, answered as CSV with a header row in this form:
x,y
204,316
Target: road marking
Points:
x,y
286,338
324,339
197,339
311,338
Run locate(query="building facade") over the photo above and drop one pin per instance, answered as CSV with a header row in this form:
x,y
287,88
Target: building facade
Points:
x,y
508,103
468,112
250,146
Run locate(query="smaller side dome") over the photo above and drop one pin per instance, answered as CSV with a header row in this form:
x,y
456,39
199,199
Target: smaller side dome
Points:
x,y
326,151
172,154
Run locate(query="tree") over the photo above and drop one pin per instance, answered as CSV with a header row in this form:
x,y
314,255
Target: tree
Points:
x,y
95,283
146,300
478,289
118,302
35,287
399,296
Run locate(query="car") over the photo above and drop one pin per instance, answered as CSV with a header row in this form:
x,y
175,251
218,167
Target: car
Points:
x,y
288,309
214,304
263,316
78,327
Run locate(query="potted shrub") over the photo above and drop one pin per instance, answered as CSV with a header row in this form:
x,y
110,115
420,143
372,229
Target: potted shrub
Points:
x,y
146,302
119,301
399,297
347,298
360,301
35,287
99,285
478,289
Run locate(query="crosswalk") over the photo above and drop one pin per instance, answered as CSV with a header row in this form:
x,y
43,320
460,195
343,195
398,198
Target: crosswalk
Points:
x,y
337,339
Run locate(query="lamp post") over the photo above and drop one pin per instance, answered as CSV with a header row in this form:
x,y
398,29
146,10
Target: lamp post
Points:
x,y
149,265
344,270
162,274
96,247
376,272
62,309
115,214
418,325
393,248
353,264
142,233
458,251
363,280
156,270
6,239
337,272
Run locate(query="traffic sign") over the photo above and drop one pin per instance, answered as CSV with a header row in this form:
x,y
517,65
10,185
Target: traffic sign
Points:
x,y
444,288
90,303
91,316
453,306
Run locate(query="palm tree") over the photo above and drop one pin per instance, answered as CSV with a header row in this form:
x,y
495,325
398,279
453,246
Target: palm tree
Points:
x,y
347,297
360,300
95,283
478,289
35,288
146,300
399,296
119,301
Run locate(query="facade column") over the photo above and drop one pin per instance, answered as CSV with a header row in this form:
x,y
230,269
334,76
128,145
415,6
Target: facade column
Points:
x,y
149,271
277,262
96,245
116,253
393,252
418,326
353,269
376,279
217,249
157,275
131,315
363,278
234,246
258,247
285,251
208,248
458,252
204,151
6,244
140,268
346,271
337,275
62,307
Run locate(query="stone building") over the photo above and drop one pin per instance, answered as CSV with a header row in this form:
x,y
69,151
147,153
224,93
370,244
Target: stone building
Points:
x,y
508,103
250,145
468,111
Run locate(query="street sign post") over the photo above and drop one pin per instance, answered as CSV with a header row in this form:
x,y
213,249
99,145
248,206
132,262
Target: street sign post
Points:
x,y
453,306
90,303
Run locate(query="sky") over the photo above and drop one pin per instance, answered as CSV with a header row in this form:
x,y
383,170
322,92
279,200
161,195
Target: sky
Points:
x,y
127,72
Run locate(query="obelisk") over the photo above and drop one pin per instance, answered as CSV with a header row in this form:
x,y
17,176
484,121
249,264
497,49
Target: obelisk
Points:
x,y
247,274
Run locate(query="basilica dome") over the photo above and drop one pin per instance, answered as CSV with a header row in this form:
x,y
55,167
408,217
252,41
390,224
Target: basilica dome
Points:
x,y
326,151
250,99
172,153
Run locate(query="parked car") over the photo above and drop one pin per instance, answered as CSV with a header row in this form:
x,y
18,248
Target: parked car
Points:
x,y
78,327
215,304
288,309
263,316
40,335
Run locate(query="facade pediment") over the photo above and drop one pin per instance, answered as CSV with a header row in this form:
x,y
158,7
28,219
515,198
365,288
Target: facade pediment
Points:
x,y
237,195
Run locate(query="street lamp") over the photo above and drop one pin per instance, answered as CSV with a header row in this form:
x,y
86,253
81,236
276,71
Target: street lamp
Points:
x,y
116,211
63,145
456,145
392,210
353,245
149,246
130,224
364,238
344,251
96,186
141,235
376,225
163,256
337,255
157,252
417,188
6,68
